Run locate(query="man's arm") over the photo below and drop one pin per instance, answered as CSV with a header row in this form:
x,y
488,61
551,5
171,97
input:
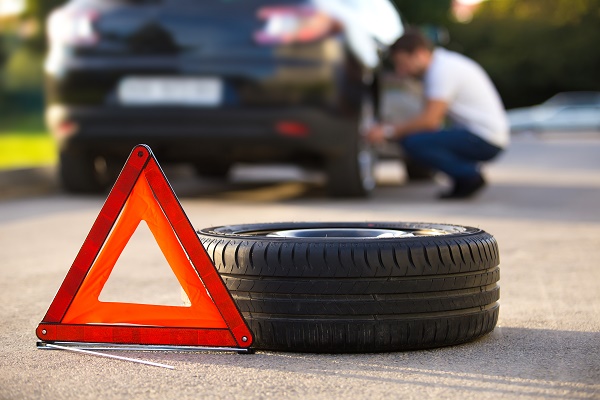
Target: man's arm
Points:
x,y
429,120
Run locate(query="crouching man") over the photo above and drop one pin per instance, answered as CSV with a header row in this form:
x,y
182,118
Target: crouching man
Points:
x,y
458,88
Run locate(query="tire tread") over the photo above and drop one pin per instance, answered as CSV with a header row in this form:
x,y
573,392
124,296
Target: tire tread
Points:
x,y
339,296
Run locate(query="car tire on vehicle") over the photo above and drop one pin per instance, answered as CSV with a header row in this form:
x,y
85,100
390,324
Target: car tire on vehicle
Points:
x,y
78,172
213,170
359,287
352,172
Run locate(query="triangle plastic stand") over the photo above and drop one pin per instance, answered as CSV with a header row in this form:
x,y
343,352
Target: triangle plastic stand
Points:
x,y
142,192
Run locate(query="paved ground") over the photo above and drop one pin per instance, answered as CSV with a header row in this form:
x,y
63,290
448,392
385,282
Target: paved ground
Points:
x,y
542,206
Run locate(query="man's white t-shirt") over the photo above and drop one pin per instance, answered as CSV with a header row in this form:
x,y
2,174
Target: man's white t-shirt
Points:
x,y
473,102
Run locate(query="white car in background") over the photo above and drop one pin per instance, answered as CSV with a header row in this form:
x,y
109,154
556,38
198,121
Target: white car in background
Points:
x,y
567,111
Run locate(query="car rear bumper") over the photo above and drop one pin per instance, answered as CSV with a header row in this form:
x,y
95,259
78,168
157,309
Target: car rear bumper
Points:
x,y
188,134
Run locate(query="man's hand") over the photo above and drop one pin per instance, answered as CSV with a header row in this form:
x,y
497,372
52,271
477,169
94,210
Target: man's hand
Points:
x,y
381,132
428,121
376,134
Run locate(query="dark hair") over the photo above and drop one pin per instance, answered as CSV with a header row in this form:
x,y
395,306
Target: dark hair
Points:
x,y
411,40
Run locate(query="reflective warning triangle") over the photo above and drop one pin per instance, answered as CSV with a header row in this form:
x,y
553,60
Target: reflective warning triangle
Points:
x,y
142,193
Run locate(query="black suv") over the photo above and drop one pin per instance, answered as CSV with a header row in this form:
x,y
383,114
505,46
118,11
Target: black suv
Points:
x,y
216,82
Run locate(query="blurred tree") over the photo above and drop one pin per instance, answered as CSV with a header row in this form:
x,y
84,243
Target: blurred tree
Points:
x,y
425,12
432,16
22,44
557,12
533,49
38,11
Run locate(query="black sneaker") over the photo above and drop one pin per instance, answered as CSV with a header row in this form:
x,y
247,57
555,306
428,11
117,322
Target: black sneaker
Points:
x,y
464,188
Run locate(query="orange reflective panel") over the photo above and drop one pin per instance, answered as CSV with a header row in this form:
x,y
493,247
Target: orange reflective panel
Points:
x,y
86,308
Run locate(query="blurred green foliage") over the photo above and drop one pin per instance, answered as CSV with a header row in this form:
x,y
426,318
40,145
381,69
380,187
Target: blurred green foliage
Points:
x,y
533,49
425,12
22,48
23,70
38,10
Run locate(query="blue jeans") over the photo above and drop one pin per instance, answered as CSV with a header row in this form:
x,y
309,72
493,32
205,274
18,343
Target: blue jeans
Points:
x,y
456,152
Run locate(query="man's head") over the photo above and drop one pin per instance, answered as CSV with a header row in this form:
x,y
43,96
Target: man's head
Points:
x,y
411,54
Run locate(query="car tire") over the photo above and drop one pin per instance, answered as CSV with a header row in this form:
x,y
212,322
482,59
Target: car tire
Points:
x,y
213,170
351,175
78,172
352,172
306,287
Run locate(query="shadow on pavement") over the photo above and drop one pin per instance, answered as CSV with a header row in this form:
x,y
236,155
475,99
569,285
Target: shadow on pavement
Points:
x,y
509,361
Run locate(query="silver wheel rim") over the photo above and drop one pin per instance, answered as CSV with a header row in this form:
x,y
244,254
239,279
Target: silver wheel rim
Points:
x,y
366,158
366,165
358,233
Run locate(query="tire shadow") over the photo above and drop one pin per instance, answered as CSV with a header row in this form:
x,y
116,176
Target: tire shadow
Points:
x,y
510,361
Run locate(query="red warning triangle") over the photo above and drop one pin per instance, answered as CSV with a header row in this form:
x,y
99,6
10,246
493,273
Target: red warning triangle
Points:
x,y
142,193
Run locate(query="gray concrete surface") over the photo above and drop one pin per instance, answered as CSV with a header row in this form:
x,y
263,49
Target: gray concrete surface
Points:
x,y
542,206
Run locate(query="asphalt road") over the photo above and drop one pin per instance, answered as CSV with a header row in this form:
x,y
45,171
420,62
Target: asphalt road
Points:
x,y
542,206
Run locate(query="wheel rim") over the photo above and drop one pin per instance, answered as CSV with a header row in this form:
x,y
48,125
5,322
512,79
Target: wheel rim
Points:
x,y
366,158
345,231
353,233
366,166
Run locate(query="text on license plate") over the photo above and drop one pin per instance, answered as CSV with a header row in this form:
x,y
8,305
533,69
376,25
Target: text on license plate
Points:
x,y
171,91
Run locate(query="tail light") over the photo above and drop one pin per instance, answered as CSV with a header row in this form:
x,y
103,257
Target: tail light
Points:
x,y
292,129
293,24
72,27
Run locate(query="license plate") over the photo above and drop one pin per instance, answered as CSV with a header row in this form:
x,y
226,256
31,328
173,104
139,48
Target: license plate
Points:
x,y
170,91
